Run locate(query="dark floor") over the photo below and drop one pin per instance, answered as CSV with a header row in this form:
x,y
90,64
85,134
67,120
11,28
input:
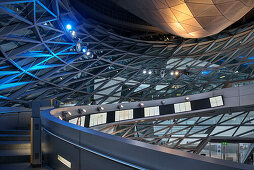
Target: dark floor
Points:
x,y
22,166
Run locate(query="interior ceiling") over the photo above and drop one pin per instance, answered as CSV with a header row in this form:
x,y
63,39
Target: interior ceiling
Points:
x,y
39,59
189,18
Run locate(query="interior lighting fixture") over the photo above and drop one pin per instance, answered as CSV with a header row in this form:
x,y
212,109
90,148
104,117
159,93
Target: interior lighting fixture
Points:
x,y
100,108
176,73
68,27
84,49
88,53
73,33
120,106
187,98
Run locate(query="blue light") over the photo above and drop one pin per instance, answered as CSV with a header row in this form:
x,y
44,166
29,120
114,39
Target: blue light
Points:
x,y
205,72
68,26
84,49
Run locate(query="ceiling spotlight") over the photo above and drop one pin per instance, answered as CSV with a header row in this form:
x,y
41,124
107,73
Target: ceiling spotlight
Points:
x,y
60,117
177,73
88,53
81,111
69,113
78,46
163,102
236,71
187,98
172,73
150,72
73,33
68,26
185,72
120,106
84,49
64,113
100,108
141,104
144,71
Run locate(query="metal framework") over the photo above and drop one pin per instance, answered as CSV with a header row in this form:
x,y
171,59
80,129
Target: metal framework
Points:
x,y
190,134
39,59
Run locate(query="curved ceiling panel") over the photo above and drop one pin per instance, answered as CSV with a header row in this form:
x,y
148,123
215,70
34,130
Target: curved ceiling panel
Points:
x,y
189,18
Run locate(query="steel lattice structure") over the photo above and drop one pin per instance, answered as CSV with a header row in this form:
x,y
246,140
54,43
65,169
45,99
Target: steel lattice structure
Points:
x,y
39,58
186,133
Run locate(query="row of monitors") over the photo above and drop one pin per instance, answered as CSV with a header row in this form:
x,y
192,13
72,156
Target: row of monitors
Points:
x,y
114,116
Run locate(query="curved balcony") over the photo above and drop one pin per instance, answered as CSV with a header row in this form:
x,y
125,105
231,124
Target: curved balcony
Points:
x,y
94,150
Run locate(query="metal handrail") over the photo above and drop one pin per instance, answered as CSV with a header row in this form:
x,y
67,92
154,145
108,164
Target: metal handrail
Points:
x,y
94,152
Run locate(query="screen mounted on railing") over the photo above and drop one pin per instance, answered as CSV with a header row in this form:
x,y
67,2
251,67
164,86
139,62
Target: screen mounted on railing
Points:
x,y
120,115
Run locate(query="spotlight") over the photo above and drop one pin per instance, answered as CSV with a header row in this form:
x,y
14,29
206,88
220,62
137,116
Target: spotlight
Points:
x,y
144,71
150,72
73,33
100,108
163,102
60,117
69,113
120,106
84,49
64,113
187,98
141,104
172,73
78,46
185,72
88,53
177,73
68,26
80,111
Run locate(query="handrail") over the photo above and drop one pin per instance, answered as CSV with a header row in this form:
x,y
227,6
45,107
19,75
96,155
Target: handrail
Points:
x,y
94,152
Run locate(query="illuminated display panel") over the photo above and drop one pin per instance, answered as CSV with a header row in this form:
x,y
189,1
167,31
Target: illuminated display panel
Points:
x,y
152,111
78,121
182,107
97,119
216,101
73,121
123,115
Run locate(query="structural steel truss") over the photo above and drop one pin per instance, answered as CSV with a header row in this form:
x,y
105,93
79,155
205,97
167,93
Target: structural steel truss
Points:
x,y
41,60
189,134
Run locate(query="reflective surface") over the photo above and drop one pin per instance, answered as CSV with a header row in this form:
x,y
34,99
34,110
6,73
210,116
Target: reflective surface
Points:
x,y
40,59
191,18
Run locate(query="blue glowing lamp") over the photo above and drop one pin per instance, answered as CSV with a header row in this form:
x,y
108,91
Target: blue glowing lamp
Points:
x,y
68,26
84,49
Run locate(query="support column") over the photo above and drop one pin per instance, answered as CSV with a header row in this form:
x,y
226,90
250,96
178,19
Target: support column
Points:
x,y
36,155
238,153
210,154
